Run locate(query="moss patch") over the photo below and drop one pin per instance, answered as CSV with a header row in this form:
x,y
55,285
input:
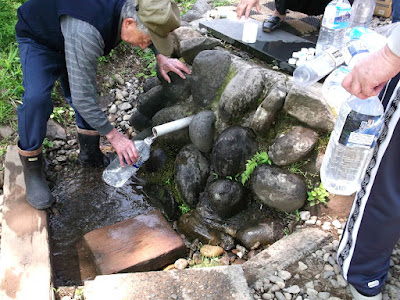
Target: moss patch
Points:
x,y
218,93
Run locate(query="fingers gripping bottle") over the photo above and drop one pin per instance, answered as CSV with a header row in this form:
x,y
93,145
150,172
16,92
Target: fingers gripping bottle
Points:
x,y
117,176
334,24
351,145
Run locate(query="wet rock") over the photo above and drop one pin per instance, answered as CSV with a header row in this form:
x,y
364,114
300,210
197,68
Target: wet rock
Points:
x,y
156,161
194,226
232,148
191,173
151,102
190,48
55,131
150,83
266,112
201,130
211,251
226,197
278,188
308,106
161,198
264,233
241,95
177,90
139,121
210,68
292,146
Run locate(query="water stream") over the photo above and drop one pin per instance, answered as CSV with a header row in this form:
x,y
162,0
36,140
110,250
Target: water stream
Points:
x,y
85,203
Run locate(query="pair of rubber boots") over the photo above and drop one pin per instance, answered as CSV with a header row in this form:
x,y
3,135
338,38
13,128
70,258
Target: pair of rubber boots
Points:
x,y
37,190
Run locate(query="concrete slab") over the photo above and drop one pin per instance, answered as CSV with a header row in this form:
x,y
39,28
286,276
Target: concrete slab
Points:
x,y
217,283
276,46
284,252
143,243
25,269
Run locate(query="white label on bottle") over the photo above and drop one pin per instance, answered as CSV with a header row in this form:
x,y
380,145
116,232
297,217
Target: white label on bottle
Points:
x,y
336,55
361,139
336,17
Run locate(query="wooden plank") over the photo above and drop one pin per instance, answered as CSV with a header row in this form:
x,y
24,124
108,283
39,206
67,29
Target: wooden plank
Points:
x,y
25,270
143,243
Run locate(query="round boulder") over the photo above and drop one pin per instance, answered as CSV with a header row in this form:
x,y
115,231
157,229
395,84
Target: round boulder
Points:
x,y
201,130
226,197
232,148
278,188
191,173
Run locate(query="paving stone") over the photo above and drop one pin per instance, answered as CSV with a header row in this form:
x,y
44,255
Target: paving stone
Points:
x,y
144,243
216,283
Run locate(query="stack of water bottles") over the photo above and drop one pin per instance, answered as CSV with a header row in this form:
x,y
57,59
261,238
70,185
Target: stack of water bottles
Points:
x,y
344,40
335,36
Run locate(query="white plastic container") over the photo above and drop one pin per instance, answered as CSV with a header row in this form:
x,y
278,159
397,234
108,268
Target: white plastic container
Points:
x,y
334,24
362,12
351,145
332,89
250,30
318,67
117,176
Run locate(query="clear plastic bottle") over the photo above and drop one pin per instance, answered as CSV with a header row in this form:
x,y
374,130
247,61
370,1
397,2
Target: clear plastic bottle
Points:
x,y
332,89
361,13
351,144
318,67
117,176
334,25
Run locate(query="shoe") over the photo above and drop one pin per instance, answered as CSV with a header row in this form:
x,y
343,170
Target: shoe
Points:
x,y
271,23
357,296
90,153
38,192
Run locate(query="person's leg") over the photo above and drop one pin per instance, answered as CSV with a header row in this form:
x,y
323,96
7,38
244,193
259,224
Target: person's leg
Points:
x,y
40,67
373,227
89,139
395,11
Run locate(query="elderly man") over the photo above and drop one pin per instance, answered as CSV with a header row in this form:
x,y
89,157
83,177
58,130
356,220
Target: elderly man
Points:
x,y
63,39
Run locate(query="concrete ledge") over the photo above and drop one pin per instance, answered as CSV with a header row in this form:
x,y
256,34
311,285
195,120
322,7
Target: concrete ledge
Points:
x,y
284,252
217,283
25,270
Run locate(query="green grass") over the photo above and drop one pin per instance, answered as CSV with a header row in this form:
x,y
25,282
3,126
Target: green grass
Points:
x,y
149,62
10,83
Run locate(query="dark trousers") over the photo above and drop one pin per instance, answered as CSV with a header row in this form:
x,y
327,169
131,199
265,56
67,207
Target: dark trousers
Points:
x,y
373,226
41,67
309,7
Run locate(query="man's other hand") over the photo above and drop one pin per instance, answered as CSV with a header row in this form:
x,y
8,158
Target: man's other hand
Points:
x,y
167,64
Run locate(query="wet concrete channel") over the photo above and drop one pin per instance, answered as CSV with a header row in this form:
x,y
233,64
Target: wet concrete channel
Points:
x,y
85,203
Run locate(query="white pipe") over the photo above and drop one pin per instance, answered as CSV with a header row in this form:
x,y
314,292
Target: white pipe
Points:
x,y
171,126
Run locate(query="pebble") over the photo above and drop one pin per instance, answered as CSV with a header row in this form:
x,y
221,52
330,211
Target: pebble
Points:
x,y
305,215
302,266
337,224
211,251
181,264
285,275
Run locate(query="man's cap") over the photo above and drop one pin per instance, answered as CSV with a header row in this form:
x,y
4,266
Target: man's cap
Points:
x,y
160,17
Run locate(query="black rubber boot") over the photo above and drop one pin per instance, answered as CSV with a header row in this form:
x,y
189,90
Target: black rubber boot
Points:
x,y
90,153
37,190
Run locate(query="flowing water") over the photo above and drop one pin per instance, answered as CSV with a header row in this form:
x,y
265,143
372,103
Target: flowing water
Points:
x,y
85,203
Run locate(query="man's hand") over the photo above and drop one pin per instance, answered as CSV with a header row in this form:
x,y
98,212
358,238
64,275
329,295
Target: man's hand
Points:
x,y
246,6
124,147
167,64
370,75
